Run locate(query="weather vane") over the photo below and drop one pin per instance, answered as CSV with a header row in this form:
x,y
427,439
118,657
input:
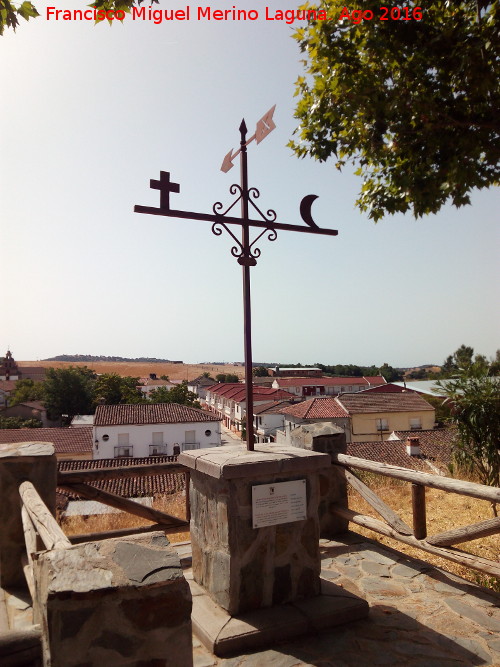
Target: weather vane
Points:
x,y
245,251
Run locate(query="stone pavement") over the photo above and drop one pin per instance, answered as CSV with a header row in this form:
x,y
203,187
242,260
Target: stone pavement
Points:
x,y
420,616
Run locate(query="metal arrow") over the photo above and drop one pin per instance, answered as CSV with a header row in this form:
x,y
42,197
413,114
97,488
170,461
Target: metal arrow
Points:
x,y
264,126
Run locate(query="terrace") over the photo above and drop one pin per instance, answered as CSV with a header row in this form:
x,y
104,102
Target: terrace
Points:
x,y
419,614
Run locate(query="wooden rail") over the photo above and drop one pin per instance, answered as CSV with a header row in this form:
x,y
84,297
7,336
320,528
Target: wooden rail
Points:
x,y
76,481
417,536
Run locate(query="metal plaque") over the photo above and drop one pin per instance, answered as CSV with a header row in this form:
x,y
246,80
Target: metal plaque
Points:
x,y
282,502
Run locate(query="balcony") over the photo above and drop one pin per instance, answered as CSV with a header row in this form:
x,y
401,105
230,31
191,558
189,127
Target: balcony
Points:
x,y
190,445
157,450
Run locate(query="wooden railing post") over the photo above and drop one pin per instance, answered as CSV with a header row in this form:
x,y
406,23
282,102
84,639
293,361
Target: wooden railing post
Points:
x,y
418,507
25,461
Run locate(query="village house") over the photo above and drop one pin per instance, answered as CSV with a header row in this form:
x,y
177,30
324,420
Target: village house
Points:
x,y
156,429
304,387
268,419
30,410
149,384
295,372
200,385
228,401
373,416
318,409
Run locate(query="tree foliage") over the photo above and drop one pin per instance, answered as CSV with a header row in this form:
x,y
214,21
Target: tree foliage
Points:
x,y
178,394
260,372
27,390
69,392
227,377
389,373
19,422
111,388
475,409
414,104
11,12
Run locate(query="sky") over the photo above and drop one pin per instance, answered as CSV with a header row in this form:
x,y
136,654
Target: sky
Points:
x,y
90,113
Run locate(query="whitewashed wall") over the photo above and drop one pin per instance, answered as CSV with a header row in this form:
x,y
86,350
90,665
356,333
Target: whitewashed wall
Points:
x,y
140,437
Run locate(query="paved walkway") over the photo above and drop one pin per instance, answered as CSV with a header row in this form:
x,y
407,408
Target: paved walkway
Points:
x,y
420,616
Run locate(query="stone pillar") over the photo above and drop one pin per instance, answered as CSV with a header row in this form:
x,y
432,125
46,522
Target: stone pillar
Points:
x,y
121,601
36,463
244,568
326,438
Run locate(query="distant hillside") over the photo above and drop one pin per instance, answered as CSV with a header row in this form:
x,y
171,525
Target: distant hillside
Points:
x,y
91,357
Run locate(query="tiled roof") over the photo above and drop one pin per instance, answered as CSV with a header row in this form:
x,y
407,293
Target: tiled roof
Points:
x,y
363,402
129,487
432,442
65,440
375,379
316,408
434,456
237,392
326,382
272,407
8,385
154,413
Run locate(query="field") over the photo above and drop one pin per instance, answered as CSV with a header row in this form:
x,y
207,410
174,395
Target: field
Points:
x,y
140,369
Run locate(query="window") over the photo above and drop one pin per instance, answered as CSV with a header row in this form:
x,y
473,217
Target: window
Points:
x,y
415,423
190,437
121,452
123,439
208,432
158,438
382,425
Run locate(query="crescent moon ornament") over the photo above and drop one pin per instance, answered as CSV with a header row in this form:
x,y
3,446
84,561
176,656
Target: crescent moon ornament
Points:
x,y
305,210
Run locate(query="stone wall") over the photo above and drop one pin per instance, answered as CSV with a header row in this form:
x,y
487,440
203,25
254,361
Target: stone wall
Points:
x,y
121,601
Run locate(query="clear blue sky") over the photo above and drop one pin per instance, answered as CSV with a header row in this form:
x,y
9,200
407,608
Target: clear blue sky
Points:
x,y
90,113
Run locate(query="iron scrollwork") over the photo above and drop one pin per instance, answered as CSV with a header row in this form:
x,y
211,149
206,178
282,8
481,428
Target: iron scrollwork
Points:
x,y
245,255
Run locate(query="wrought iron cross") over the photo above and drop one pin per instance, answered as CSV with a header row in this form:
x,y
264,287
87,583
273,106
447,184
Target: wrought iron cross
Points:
x,y
245,250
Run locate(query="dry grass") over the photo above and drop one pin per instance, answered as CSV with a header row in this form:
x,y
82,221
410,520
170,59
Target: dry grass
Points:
x,y
174,504
444,511
139,369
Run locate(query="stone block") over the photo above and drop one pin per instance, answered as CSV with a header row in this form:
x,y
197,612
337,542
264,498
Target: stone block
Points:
x,y
27,461
121,601
240,567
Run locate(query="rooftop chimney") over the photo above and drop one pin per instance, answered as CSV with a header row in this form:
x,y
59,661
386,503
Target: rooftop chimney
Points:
x,y
413,446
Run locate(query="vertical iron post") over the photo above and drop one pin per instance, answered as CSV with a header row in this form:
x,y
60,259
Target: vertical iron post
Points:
x,y
246,261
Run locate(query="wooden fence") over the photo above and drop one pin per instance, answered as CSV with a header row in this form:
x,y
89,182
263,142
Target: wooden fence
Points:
x,y
416,536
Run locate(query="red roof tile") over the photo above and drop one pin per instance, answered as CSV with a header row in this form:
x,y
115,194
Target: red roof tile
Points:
x,y
322,382
65,440
129,487
363,402
316,408
237,392
155,413
8,385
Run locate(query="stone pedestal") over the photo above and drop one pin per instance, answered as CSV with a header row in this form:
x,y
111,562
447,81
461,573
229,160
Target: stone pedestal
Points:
x,y
248,580
242,567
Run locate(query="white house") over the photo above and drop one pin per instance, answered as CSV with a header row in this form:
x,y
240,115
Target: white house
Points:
x,y
267,419
151,383
326,386
152,430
